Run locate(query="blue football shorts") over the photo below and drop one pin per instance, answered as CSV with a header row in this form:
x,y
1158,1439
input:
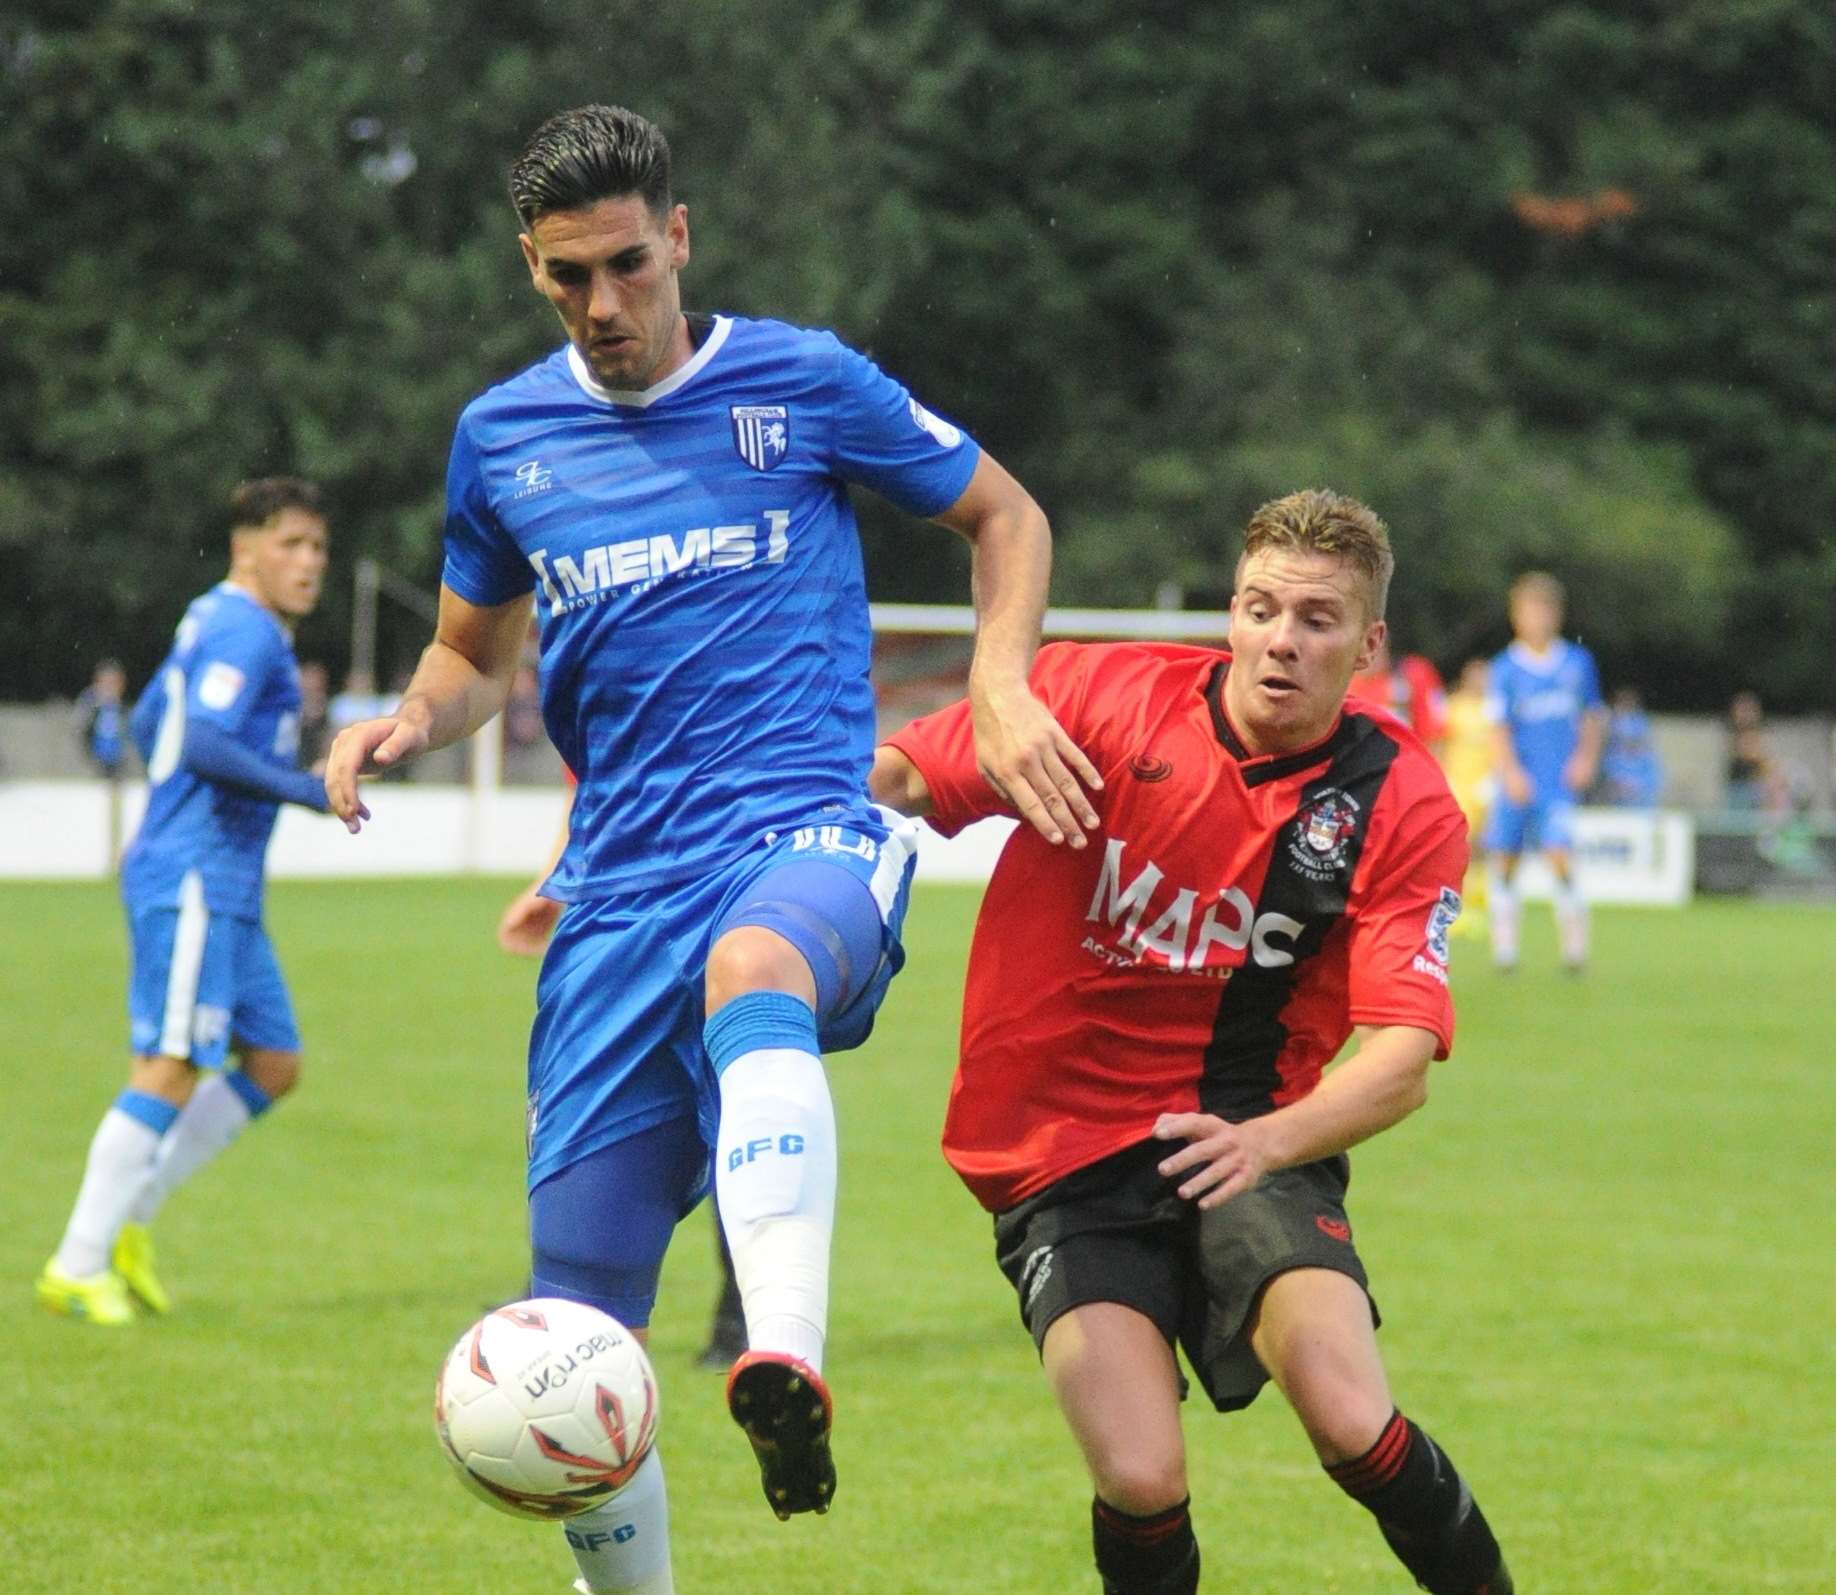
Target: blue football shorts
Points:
x,y
616,1046
616,1052
1543,822
200,982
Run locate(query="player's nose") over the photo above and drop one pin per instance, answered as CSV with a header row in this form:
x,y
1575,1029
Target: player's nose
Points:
x,y
602,304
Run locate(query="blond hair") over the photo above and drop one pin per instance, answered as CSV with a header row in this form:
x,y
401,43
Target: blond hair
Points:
x,y
1539,584
1319,521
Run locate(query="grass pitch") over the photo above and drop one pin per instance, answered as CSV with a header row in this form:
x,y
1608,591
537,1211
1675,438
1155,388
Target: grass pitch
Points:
x,y
1602,1253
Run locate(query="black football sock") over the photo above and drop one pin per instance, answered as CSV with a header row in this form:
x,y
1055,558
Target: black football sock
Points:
x,y
1154,1555
1425,1511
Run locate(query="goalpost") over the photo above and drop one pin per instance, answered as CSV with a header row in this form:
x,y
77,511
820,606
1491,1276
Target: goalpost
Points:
x,y
921,651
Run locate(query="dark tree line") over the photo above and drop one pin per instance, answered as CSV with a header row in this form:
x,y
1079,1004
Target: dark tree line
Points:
x,y
1547,283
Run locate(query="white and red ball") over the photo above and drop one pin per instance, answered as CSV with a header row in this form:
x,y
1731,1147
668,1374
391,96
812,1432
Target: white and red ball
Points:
x,y
546,1408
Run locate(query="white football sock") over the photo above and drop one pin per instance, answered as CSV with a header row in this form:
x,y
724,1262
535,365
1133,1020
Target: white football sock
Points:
x,y
775,1173
622,1547
1504,910
1571,920
212,1119
119,1169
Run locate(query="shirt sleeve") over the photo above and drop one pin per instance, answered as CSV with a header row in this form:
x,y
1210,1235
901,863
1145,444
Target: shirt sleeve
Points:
x,y
1591,697
1402,913
228,669
942,745
483,564
883,438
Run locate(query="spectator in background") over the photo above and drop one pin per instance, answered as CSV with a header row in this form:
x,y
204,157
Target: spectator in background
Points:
x,y
1757,782
102,718
315,712
1411,689
1467,748
1631,774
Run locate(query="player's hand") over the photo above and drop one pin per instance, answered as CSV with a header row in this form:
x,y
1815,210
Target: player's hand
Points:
x,y
1224,1159
1578,774
527,924
1026,756
1517,785
367,748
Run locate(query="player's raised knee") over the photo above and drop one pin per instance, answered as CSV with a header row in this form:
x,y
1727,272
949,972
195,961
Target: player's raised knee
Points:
x,y
751,958
276,1073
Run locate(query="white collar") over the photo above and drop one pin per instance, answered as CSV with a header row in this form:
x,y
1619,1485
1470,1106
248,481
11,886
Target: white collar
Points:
x,y
645,397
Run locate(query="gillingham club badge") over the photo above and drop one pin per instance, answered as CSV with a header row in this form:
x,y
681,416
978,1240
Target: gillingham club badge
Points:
x,y
761,433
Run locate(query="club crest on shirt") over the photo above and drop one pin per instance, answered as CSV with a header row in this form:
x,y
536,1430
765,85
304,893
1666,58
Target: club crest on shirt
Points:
x,y
761,433
1323,832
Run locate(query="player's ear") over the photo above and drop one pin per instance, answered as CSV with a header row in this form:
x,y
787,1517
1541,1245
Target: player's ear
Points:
x,y
1374,634
676,231
532,258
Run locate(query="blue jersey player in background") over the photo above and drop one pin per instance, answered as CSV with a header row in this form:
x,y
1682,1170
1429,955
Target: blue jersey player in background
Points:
x,y
671,493
218,728
1549,724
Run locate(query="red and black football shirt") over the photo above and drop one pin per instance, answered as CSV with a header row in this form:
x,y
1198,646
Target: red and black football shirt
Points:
x,y
1212,948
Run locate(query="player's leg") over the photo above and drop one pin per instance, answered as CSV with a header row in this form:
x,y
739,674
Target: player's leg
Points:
x,y
1313,1331
265,1041
1100,1262
727,1330
1113,1374
1571,915
178,976
81,1279
801,955
598,1230
1506,828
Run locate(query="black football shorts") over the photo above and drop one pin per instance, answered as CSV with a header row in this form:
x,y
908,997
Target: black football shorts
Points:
x,y
1119,1231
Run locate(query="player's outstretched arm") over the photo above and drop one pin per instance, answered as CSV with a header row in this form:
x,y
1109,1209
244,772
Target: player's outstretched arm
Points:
x,y
1022,750
463,679
896,782
1379,1085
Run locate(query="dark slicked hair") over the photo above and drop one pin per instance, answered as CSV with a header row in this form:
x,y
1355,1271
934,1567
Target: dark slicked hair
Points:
x,y
593,152
255,503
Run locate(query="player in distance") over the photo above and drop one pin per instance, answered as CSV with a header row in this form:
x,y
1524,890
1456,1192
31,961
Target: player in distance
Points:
x,y
1550,724
218,729
1141,1100
670,491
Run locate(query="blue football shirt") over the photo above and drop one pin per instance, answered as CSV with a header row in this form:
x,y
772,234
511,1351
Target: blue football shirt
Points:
x,y
1543,699
231,663
698,579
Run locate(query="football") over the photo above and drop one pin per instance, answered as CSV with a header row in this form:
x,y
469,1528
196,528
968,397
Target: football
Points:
x,y
546,1408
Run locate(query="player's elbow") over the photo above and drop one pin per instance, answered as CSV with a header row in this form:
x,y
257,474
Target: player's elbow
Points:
x,y
894,780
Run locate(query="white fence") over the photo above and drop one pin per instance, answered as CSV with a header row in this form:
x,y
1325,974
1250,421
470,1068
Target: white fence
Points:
x,y
59,830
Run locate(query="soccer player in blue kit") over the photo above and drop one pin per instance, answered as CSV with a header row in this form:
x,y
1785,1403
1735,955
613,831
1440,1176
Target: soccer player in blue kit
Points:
x,y
218,727
1549,722
671,492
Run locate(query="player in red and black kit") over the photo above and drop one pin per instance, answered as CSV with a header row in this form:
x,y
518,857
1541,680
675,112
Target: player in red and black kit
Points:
x,y
1148,1013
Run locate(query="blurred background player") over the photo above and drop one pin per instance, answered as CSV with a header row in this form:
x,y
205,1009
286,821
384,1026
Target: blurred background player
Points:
x,y
1548,726
1467,755
1411,689
528,920
1141,1100
218,729
1631,773
101,710
672,491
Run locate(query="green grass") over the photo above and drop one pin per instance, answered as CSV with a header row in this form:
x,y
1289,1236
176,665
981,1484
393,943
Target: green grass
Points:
x,y
1602,1253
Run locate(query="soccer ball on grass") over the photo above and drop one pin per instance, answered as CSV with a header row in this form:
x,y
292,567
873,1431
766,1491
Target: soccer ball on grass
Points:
x,y
546,1408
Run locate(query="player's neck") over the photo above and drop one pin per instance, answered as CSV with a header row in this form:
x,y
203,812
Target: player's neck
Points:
x,y
248,586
